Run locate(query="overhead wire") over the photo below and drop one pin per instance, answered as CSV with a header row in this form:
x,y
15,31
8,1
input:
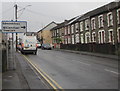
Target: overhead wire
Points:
x,y
41,14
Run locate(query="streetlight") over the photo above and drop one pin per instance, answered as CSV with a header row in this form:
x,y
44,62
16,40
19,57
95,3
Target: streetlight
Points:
x,y
24,8
16,17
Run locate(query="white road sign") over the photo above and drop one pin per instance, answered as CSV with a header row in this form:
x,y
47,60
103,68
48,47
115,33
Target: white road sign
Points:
x,y
14,26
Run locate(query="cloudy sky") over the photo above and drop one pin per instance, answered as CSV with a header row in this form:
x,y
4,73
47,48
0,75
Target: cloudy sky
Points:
x,y
39,14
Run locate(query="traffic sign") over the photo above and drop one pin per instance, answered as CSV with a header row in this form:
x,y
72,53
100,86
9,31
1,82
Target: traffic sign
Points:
x,y
14,26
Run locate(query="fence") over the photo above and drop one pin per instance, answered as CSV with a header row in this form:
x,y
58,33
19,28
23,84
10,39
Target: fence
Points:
x,y
106,48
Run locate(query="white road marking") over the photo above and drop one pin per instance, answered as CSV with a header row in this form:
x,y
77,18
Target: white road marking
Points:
x,y
82,63
111,71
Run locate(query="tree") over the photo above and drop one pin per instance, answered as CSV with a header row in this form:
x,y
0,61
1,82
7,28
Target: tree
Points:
x,y
58,40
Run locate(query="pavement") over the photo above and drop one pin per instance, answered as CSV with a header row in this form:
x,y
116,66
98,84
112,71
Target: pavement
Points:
x,y
115,57
21,76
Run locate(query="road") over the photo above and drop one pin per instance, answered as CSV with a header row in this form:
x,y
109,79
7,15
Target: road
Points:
x,y
76,71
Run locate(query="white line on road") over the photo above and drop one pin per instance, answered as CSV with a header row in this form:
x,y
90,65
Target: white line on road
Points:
x,y
111,71
82,63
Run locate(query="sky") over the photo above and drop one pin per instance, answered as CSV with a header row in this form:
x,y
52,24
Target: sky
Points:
x,y
38,13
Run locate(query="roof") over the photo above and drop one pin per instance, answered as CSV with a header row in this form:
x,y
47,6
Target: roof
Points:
x,y
100,10
47,26
73,20
63,24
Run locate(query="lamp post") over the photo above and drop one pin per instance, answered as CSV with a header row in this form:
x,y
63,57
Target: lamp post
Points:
x,y
16,17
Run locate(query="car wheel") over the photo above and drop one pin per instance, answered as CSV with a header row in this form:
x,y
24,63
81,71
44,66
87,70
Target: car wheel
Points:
x,y
35,53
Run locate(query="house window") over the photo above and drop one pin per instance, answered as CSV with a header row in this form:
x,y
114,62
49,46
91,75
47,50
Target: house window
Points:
x,y
55,32
111,39
86,25
73,42
118,35
65,30
93,23
65,40
118,16
93,37
72,28
76,27
101,35
69,41
87,37
110,19
100,21
81,26
82,38
77,38
60,32
68,29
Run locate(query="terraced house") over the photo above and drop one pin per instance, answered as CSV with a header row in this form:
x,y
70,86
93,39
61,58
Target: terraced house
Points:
x,y
94,31
44,35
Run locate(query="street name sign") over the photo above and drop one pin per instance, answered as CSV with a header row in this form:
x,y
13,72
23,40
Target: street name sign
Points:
x,y
14,26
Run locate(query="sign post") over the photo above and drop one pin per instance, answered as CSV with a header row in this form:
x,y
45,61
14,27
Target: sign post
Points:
x,y
14,26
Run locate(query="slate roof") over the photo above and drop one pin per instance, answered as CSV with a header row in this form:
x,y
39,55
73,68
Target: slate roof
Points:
x,y
63,24
47,26
100,10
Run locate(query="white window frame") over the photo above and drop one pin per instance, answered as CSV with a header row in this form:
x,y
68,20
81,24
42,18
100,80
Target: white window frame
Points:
x,y
92,24
65,30
77,38
65,40
87,34
118,17
118,34
60,32
73,41
72,28
76,27
81,26
110,13
82,38
69,40
68,29
55,32
100,31
86,24
110,36
93,40
100,23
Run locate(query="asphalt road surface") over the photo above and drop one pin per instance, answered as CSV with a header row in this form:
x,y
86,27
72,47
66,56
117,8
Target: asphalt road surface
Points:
x,y
75,71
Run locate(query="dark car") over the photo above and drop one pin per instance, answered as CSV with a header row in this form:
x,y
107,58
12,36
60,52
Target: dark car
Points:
x,y
46,46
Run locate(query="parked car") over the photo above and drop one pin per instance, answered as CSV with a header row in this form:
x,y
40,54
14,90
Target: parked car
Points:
x,y
46,46
38,44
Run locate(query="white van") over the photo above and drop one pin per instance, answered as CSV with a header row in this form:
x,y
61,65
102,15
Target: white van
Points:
x,y
29,44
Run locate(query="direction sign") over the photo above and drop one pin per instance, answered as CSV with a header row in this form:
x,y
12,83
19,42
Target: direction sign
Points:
x,y
14,26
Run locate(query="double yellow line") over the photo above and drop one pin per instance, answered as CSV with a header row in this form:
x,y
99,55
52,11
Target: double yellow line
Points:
x,y
52,83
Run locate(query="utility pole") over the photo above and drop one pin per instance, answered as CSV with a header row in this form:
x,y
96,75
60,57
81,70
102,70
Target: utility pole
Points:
x,y
16,20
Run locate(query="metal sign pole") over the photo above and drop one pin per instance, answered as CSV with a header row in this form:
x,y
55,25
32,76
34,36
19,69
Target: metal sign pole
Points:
x,y
7,49
16,20
13,51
